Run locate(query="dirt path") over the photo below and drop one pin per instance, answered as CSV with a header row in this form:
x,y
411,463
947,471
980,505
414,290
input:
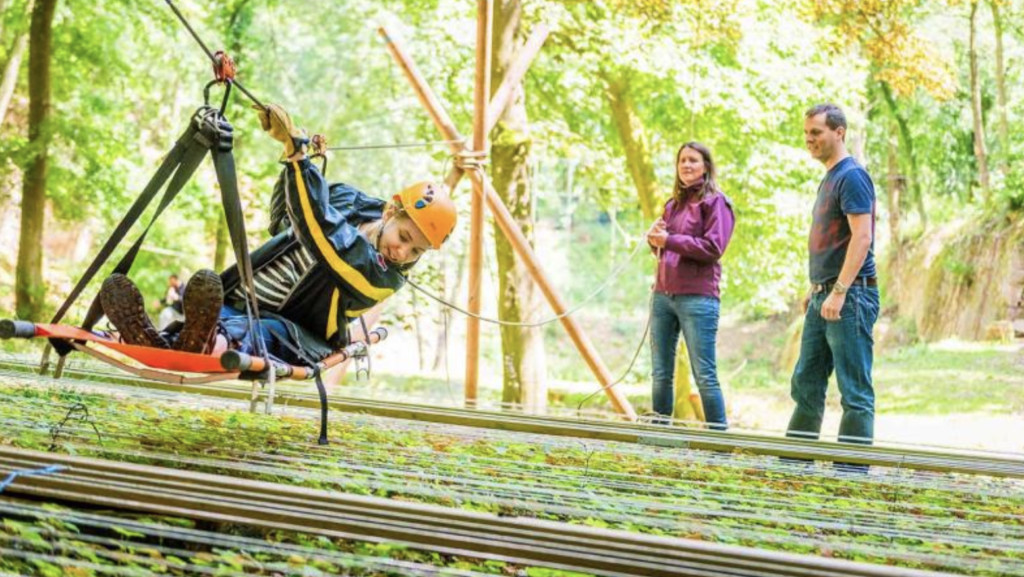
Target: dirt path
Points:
x,y
965,430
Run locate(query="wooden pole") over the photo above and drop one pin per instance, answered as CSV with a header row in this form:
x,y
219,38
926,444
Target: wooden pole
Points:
x,y
481,96
423,91
500,98
515,74
579,338
511,230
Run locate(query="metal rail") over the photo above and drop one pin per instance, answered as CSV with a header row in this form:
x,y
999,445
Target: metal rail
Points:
x,y
980,463
158,490
97,546
588,490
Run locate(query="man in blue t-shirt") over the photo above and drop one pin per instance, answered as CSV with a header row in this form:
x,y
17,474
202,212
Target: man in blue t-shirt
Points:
x,y
842,305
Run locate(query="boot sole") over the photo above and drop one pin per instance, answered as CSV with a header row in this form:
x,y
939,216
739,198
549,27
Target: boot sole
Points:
x,y
124,306
204,297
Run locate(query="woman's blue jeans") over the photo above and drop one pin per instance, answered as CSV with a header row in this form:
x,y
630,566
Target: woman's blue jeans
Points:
x,y
696,316
845,347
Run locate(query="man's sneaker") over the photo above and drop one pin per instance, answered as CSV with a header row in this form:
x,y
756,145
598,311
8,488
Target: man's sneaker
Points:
x,y
204,297
124,306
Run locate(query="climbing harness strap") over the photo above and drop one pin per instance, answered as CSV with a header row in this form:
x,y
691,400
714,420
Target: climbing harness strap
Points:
x,y
179,165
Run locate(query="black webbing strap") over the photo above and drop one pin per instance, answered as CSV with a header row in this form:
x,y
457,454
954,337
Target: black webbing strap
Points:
x,y
181,162
322,391
224,164
191,160
314,366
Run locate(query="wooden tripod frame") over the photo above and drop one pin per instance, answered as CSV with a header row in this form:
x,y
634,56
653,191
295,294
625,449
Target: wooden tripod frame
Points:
x,y
485,114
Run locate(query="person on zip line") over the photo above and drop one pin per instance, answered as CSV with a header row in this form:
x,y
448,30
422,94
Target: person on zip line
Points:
x,y
335,254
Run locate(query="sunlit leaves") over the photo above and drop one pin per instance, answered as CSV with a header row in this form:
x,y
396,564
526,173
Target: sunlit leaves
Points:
x,y
885,29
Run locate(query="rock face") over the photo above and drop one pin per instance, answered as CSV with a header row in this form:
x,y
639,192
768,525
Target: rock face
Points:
x,y
965,280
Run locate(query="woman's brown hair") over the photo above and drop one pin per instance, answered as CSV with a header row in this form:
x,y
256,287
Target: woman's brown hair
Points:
x,y
710,184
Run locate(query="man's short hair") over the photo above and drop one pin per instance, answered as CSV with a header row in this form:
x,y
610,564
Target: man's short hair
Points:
x,y
834,116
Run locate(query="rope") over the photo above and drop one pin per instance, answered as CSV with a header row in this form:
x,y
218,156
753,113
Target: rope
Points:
x,y
470,159
397,145
80,410
30,473
607,281
636,355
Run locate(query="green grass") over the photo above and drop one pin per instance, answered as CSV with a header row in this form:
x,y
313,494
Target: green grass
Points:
x,y
950,377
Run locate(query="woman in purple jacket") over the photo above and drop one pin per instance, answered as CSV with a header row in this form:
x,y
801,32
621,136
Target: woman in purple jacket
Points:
x,y
689,241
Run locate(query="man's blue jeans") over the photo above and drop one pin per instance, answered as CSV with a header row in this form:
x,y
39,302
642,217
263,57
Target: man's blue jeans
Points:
x,y
697,317
846,347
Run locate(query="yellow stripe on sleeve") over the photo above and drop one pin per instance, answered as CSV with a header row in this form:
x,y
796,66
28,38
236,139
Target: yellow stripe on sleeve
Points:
x,y
351,275
332,319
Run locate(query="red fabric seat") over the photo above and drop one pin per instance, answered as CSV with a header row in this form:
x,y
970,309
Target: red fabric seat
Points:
x,y
166,359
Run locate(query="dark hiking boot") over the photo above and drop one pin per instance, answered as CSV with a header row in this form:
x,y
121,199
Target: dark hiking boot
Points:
x,y
204,297
124,306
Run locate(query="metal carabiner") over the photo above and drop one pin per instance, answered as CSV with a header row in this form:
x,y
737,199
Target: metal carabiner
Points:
x,y
318,147
362,362
227,92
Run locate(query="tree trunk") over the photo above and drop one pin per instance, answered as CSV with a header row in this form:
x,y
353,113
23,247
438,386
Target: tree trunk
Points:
x,y
979,123
894,192
10,76
1004,123
522,347
30,288
633,136
3,6
907,144
12,68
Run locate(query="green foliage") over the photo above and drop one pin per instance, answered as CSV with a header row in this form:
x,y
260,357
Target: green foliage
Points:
x,y
962,271
734,74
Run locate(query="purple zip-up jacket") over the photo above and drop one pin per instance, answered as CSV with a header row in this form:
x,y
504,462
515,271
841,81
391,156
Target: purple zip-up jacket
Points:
x,y
698,234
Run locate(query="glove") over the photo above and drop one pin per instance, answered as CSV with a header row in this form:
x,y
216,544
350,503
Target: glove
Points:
x,y
276,122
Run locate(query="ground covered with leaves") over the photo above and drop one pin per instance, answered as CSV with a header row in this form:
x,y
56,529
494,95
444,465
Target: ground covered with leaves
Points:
x,y
900,517
57,541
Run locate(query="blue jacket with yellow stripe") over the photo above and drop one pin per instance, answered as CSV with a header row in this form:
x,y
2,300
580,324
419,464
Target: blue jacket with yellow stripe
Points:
x,y
349,276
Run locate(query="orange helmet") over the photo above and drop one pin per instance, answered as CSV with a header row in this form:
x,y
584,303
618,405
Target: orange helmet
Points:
x,y
431,209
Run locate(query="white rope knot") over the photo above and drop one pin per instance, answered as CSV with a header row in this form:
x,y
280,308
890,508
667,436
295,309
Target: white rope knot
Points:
x,y
470,159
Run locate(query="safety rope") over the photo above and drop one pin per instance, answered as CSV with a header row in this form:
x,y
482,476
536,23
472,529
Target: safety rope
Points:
x,y
217,59
424,144
81,411
600,289
470,159
625,373
30,473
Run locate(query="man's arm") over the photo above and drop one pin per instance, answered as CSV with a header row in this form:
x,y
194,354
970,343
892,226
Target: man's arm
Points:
x,y
856,252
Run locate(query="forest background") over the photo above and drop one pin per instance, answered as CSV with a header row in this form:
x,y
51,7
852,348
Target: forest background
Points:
x,y
94,93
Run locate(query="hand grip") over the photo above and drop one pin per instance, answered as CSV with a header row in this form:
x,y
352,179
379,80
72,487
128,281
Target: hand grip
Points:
x,y
236,361
11,329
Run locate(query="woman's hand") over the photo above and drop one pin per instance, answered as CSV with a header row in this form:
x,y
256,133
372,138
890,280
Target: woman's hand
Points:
x,y
657,235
